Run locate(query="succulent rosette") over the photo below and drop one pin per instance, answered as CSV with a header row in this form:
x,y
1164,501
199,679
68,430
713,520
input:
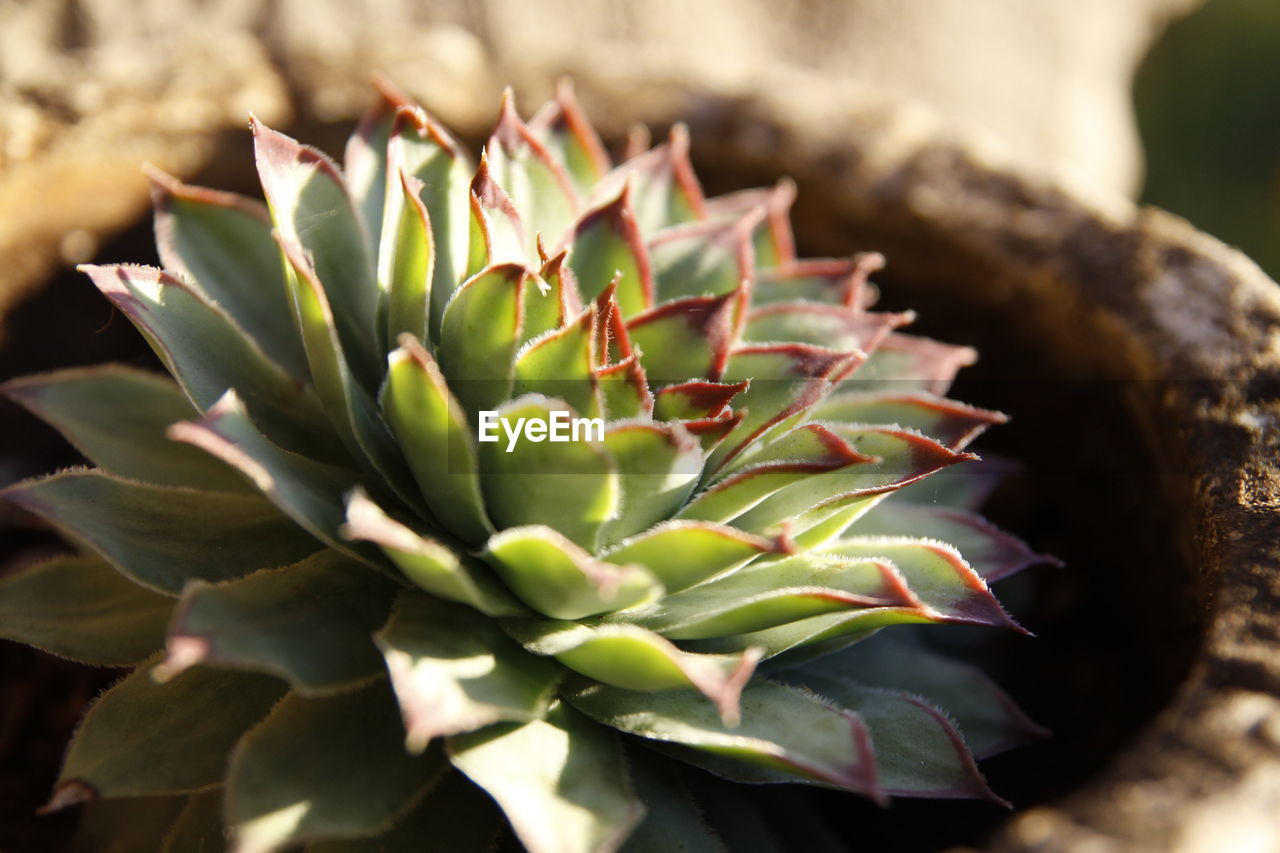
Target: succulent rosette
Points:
x,y
367,597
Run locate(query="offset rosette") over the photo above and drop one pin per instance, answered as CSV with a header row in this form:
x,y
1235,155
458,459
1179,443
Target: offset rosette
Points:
x,y
359,619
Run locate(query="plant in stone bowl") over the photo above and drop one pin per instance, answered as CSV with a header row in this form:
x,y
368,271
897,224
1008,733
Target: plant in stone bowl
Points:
x,y
542,481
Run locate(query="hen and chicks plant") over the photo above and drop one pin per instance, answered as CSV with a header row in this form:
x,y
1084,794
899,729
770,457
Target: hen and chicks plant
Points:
x,y
354,626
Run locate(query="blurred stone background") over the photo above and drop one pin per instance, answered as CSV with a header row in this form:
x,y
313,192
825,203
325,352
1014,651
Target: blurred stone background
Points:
x,y
90,88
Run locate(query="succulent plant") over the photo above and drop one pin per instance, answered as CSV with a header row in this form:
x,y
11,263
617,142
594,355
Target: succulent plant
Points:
x,y
365,600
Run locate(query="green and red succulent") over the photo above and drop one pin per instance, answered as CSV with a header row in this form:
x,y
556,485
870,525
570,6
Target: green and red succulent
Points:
x,y
355,626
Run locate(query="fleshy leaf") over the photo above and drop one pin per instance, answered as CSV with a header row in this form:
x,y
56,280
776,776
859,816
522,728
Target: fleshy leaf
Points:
x,y
480,335
82,608
696,400
634,658
945,421
562,782
454,674
437,441
683,553
536,182
674,821
951,590
223,243
704,258
308,623
571,486
365,157
785,733
911,363
440,570
561,364
348,403
427,153
497,234
571,140
117,417
308,492
829,280
409,247
989,720
125,744
832,326
313,211
919,753
765,594
993,553
558,578
964,487
664,186
773,243
208,354
198,826
608,248
658,466
161,536
689,338
456,815
324,768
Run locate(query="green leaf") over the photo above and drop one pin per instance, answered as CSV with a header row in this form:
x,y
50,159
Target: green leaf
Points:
x,y
536,182
325,768
562,364
688,338
160,536
608,248
811,637
555,300
83,609
910,363
310,493
683,553
624,390
768,593
571,486
772,241
427,152
409,247
633,658
836,327
222,242
663,184
704,258
364,162
497,232
735,816
951,590
949,423
308,623
128,825
456,815
117,417
892,458
437,441
208,354
658,467
989,719
964,487
786,380
126,744
562,782
480,335
828,280
348,403
442,571
454,674
569,137
785,734
918,751
199,826
993,553
560,579
696,400
313,211
674,821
